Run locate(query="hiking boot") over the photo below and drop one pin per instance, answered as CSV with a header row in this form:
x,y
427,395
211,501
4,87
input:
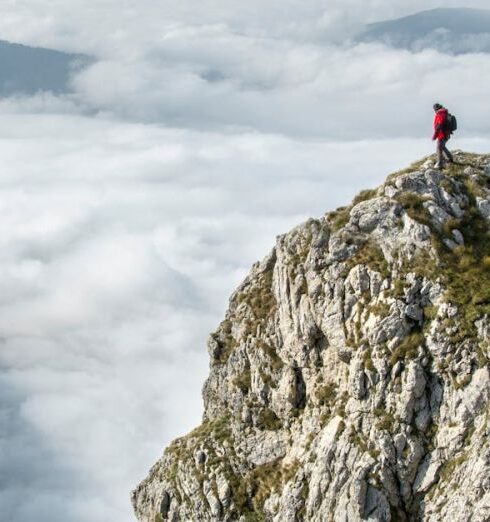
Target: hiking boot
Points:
x,y
439,166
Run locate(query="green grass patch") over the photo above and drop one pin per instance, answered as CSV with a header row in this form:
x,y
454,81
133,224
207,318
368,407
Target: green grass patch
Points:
x,y
368,360
339,218
371,255
450,467
408,348
364,195
413,167
381,309
268,420
251,490
414,206
243,381
385,423
325,395
275,361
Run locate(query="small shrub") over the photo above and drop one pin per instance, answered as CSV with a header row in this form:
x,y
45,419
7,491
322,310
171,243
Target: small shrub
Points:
x,y
408,348
339,218
276,362
243,381
368,361
381,309
385,423
430,313
414,207
364,195
450,466
326,394
268,420
371,255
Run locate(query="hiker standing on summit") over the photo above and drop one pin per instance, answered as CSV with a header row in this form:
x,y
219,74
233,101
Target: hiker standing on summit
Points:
x,y
442,132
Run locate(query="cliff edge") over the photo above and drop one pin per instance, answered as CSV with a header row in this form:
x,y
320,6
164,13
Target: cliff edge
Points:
x,y
350,377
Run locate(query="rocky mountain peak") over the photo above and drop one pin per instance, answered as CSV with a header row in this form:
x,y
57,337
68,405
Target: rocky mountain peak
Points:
x,y
349,379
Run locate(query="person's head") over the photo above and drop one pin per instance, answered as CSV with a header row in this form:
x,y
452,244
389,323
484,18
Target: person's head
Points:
x,y
437,106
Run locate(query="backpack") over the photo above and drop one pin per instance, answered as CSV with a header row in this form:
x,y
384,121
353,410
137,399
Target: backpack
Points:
x,y
451,123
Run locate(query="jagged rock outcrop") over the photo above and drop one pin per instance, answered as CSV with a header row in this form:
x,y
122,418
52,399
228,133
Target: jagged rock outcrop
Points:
x,y
350,380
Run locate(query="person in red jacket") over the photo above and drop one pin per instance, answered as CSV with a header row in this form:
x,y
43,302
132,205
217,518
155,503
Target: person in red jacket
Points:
x,y
442,133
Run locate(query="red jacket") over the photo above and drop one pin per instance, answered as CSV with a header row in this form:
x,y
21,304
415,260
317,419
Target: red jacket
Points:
x,y
441,127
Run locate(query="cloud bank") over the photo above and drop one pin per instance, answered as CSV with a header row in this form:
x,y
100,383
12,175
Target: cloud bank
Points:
x,y
228,69
212,81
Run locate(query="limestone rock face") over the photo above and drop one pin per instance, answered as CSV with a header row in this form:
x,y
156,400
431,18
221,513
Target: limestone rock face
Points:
x,y
349,379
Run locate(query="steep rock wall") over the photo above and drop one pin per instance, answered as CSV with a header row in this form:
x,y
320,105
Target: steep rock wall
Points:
x,y
349,379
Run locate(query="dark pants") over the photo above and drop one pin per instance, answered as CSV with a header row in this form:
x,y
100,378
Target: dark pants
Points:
x,y
443,151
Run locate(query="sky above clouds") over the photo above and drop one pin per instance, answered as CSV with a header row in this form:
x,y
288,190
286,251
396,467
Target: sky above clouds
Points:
x,y
132,207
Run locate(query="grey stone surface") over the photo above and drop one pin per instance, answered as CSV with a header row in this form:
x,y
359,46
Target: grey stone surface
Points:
x,y
341,386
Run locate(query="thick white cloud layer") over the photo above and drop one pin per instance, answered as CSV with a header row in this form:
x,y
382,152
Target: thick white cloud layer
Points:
x,y
130,210
215,80
282,72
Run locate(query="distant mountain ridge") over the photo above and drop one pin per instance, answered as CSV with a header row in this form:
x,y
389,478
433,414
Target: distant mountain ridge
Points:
x,y
27,70
449,30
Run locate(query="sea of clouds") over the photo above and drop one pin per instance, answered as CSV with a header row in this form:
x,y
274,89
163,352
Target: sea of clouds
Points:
x,y
131,208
